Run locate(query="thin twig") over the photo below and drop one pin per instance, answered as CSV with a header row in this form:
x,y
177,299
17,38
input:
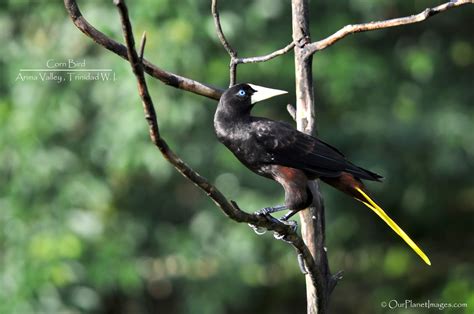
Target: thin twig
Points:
x,y
234,60
230,208
334,280
142,47
217,22
225,43
267,57
291,110
232,72
166,77
357,28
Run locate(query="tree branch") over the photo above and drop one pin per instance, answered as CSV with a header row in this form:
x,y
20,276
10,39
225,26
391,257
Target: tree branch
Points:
x,y
234,60
166,77
357,28
217,22
230,208
232,53
313,218
267,57
292,111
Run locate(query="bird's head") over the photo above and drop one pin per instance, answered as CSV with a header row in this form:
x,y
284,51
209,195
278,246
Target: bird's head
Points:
x,y
240,98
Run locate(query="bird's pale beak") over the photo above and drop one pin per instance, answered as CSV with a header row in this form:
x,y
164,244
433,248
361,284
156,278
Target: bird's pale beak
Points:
x,y
263,93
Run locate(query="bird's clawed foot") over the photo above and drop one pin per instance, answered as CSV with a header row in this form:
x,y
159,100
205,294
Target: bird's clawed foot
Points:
x,y
267,211
292,223
294,226
258,230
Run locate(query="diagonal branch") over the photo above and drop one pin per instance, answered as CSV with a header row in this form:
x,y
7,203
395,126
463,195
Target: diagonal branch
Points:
x,y
166,77
230,208
357,28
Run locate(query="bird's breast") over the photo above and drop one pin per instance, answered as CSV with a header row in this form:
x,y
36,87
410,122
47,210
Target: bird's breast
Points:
x,y
238,137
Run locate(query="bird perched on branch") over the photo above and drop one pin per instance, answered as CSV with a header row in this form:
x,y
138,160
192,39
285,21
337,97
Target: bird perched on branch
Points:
x,y
279,152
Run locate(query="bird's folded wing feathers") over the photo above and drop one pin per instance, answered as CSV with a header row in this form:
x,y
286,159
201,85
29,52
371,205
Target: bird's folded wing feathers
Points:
x,y
292,148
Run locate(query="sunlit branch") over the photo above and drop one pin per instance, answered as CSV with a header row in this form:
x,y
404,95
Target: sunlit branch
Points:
x,y
267,57
357,28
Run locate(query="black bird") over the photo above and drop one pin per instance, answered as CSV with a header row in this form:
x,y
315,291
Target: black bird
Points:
x,y
278,151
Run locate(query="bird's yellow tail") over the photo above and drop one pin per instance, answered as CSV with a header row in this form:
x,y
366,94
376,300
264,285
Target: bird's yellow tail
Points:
x,y
380,212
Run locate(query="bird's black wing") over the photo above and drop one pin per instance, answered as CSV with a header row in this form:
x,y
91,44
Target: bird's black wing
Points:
x,y
292,148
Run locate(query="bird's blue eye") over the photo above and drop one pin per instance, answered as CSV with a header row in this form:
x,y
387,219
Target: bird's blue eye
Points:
x,y
241,92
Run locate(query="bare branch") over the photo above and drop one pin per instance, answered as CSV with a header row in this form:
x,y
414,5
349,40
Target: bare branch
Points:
x,y
232,53
217,22
334,280
230,208
142,47
291,110
234,61
267,57
312,218
232,72
119,49
357,28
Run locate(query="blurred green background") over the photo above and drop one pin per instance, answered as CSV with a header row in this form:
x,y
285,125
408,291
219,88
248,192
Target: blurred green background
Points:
x,y
93,220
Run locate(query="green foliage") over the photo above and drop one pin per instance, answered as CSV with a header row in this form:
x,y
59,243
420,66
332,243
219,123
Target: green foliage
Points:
x,y
92,219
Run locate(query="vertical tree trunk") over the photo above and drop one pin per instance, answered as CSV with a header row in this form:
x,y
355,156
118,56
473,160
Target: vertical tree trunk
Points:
x,y
312,219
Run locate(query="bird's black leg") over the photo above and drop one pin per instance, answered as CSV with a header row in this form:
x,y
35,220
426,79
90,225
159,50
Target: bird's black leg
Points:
x,y
270,210
288,215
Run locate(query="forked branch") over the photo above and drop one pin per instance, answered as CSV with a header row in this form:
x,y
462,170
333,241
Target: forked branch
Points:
x,y
234,60
371,26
